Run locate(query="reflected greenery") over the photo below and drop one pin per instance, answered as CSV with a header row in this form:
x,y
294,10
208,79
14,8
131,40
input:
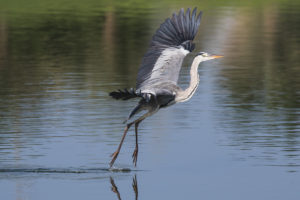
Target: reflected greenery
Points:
x,y
260,82
265,67
63,57
58,126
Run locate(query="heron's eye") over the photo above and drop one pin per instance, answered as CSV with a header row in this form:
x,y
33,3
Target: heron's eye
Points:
x,y
205,54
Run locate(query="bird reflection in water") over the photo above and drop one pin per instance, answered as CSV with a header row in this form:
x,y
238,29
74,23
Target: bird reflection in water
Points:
x,y
114,188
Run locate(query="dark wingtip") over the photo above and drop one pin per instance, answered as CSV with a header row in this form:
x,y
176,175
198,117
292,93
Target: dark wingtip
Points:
x,y
177,31
181,27
199,17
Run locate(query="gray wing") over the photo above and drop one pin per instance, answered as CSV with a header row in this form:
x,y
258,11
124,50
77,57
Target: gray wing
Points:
x,y
169,46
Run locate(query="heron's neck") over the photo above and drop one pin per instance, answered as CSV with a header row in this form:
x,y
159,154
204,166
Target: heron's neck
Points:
x,y
189,92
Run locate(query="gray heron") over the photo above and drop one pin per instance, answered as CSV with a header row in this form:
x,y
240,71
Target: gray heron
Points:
x,y
156,83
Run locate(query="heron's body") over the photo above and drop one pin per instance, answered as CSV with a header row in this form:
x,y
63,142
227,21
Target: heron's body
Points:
x,y
158,74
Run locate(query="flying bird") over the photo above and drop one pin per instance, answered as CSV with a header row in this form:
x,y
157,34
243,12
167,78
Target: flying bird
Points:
x,y
156,83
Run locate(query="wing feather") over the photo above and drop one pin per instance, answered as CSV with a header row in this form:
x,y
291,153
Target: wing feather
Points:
x,y
169,45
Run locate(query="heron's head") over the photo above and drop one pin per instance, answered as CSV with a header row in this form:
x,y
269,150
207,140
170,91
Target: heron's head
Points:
x,y
206,56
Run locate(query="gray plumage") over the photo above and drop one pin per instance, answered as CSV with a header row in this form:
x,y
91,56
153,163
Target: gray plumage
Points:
x,y
159,71
158,74
164,57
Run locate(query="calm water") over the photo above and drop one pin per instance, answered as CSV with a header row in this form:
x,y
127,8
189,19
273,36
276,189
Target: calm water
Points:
x,y
237,138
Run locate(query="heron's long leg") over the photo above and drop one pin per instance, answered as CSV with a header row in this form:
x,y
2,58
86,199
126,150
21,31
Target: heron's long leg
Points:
x,y
135,153
137,122
116,153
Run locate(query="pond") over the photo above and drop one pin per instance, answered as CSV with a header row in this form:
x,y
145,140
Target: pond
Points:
x,y
238,137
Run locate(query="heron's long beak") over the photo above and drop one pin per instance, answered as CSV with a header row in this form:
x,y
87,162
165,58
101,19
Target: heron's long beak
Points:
x,y
216,56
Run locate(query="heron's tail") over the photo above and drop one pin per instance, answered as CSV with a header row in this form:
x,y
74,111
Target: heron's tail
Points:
x,y
129,94
124,94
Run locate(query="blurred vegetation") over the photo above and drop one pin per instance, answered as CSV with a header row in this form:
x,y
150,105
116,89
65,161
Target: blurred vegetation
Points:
x,y
88,48
93,6
43,40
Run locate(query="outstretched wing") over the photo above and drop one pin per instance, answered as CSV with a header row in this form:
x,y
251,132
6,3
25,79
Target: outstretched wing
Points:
x,y
170,44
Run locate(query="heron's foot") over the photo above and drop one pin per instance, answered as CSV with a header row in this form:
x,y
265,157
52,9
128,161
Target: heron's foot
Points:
x,y
114,157
134,156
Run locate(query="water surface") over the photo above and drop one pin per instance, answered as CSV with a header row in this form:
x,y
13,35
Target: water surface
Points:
x,y
237,138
